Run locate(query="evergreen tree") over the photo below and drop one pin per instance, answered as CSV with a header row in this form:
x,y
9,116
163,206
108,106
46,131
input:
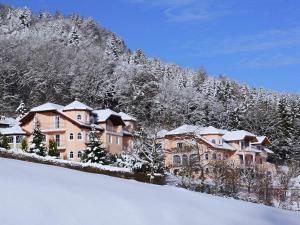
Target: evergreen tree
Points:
x,y
21,110
4,142
37,144
284,130
52,149
95,153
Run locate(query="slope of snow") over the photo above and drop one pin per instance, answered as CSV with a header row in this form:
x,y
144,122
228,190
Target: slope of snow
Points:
x,y
39,194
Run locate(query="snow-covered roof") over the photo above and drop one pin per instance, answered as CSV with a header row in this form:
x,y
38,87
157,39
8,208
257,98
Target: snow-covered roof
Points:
x,y
261,140
17,130
185,129
161,133
212,130
76,105
126,117
268,151
8,121
104,114
238,135
47,107
223,145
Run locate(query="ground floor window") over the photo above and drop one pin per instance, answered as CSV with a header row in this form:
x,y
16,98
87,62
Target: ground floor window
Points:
x,y
19,138
71,155
185,160
10,139
57,140
176,160
79,154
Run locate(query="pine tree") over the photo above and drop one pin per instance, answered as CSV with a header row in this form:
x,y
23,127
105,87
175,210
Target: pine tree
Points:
x,y
4,142
21,110
52,149
37,144
284,130
95,153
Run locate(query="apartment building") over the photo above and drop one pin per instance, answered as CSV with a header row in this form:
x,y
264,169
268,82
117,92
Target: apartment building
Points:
x,y
189,143
69,126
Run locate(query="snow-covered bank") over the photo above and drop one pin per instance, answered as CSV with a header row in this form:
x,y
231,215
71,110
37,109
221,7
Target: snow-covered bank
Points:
x,y
41,194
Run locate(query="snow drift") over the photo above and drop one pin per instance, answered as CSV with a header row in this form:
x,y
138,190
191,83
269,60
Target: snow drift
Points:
x,y
40,194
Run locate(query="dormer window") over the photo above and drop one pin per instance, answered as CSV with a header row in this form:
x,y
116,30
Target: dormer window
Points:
x,y
213,141
79,117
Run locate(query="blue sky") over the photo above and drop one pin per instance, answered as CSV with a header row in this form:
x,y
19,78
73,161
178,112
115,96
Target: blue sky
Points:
x,y
253,41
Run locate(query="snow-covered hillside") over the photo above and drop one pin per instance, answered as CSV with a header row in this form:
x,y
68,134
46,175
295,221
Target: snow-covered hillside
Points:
x,y
34,194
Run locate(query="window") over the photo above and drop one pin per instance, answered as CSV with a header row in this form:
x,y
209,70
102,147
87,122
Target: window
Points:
x,y
57,140
79,117
185,160
71,155
79,136
71,136
176,160
214,156
19,138
260,161
117,140
110,139
79,154
206,170
56,122
10,139
179,145
206,156
213,141
244,144
241,159
219,157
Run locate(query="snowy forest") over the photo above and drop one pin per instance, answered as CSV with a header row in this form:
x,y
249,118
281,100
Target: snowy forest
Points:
x,y
51,57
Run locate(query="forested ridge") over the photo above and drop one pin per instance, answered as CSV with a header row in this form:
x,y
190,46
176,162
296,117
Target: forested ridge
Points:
x,y
59,58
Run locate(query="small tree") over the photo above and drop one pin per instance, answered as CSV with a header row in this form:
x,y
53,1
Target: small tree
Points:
x,y
248,176
24,145
53,148
95,153
4,142
37,144
149,155
21,110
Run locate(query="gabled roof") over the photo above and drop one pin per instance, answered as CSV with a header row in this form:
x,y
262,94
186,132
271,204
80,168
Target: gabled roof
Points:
x,y
126,117
185,129
76,105
261,140
15,130
238,135
223,146
212,130
104,114
47,107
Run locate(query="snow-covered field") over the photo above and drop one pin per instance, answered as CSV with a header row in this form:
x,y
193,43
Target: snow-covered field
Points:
x,y
34,194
